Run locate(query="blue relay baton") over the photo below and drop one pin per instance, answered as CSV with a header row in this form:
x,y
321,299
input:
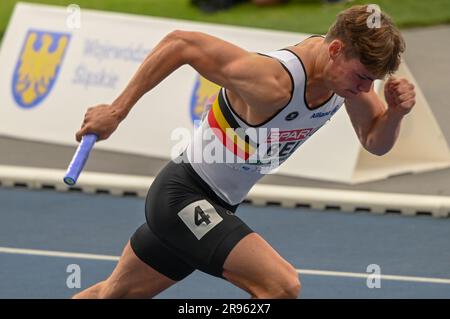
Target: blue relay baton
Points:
x,y
79,158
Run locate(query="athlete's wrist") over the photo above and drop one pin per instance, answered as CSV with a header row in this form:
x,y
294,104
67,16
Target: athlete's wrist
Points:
x,y
120,109
395,113
118,114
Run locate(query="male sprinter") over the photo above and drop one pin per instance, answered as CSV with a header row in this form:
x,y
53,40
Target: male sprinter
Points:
x,y
190,220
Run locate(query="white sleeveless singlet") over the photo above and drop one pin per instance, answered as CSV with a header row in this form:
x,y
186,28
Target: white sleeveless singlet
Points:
x,y
231,156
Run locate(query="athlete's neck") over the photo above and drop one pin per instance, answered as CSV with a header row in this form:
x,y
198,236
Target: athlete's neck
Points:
x,y
319,59
314,53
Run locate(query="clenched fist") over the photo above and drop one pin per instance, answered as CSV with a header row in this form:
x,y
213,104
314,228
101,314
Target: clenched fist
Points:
x,y
400,95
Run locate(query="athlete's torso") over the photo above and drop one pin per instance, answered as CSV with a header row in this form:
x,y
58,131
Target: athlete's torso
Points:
x,y
231,155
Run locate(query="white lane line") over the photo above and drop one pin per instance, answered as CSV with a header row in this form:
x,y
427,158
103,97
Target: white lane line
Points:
x,y
366,275
64,254
52,253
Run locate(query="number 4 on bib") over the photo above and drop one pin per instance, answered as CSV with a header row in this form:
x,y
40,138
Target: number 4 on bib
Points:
x,y
200,217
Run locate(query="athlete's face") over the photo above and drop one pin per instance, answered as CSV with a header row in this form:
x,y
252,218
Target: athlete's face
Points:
x,y
346,76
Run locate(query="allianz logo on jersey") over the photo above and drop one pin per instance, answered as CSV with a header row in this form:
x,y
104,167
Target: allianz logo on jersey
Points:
x,y
322,114
38,66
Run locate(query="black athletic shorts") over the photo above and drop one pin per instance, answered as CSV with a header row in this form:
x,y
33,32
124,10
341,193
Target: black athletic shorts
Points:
x,y
188,226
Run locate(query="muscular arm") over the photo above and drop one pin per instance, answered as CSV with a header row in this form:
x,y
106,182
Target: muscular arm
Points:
x,y
260,81
376,124
255,78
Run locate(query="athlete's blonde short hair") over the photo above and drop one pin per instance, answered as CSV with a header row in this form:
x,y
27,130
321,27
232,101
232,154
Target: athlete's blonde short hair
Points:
x,y
370,36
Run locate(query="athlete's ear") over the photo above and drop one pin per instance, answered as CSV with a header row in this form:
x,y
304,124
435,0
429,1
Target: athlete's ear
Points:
x,y
335,48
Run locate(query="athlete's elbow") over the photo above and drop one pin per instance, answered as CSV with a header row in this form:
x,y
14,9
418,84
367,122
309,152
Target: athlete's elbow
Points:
x,y
188,44
178,40
176,36
378,150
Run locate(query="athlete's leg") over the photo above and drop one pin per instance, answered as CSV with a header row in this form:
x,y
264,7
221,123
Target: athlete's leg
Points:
x,y
131,278
256,267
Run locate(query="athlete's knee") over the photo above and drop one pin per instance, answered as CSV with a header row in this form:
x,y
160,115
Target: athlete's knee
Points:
x,y
289,289
119,289
286,286
107,291
92,292
292,289
113,289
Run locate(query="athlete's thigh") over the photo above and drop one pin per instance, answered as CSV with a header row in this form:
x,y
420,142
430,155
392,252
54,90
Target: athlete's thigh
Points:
x,y
133,278
192,221
254,265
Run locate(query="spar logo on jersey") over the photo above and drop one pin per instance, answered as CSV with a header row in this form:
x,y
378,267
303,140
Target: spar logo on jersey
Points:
x,y
288,136
38,66
282,144
203,94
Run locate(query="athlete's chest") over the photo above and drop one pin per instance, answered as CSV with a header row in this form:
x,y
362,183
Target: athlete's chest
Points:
x,y
283,132
251,115
313,103
295,115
